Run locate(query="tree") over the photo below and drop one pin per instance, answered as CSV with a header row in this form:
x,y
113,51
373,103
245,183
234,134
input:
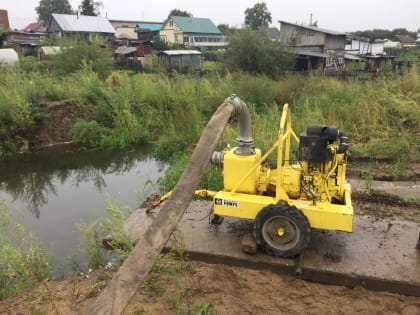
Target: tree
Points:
x,y
177,12
224,28
251,52
47,7
90,7
382,34
258,16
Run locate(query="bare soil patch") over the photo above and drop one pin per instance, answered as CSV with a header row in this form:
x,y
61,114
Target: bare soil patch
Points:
x,y
55,127
212,289
383,205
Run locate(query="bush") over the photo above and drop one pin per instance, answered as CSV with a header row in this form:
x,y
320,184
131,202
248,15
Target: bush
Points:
x,y
251,52
88,132
77,53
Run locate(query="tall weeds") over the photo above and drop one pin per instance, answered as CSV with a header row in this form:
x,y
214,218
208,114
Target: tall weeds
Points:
x,y
23,260
381,116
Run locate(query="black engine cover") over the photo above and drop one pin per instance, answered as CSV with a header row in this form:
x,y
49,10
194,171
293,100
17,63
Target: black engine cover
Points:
x,y
314,149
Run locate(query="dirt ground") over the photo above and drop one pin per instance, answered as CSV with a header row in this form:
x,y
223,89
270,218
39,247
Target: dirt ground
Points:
x,y
212,289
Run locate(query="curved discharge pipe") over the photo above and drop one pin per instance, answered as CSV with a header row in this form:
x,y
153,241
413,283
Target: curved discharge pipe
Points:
x,y
244,140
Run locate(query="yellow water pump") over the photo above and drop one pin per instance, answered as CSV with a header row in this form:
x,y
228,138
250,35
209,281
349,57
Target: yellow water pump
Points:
x,y
287,201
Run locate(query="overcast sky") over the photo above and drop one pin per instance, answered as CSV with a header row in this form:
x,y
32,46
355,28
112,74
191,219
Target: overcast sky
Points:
x,y
343,16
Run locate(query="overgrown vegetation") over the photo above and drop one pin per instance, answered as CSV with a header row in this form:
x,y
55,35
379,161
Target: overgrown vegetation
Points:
x,y
76,55
23,260
381,116
92,239
253,53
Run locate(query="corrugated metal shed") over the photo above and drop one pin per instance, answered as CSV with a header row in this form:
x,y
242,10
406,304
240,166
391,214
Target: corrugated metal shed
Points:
x,y
180,60
196,25
83,23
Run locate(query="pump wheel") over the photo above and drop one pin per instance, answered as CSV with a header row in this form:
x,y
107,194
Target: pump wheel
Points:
x,y
282,230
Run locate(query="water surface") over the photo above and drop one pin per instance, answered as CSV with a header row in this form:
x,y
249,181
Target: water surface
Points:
x,y
57,189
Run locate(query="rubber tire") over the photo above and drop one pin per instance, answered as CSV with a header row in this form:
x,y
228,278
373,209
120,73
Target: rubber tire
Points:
x,y
297,219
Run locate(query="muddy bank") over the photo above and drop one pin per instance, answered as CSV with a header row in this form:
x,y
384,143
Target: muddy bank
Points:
x,y
386,200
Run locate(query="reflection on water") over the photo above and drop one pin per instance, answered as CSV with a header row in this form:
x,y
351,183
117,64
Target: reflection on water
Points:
x,y
56,189
34,178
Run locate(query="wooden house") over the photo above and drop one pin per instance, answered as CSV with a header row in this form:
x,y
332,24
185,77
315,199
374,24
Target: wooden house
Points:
x,y
87,27
405,40
312,38
148,31
192,32
317,48
25,43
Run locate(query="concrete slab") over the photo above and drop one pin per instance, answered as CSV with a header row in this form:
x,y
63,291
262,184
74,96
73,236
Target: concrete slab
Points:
x,y
378,255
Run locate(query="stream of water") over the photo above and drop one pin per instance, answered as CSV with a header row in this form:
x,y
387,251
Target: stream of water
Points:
x,y
56,189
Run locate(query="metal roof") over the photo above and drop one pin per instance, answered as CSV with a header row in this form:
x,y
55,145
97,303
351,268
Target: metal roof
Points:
x,y
83,23
404,38
317,29
149,26
312,53
180,52
123,50
196,25
352,57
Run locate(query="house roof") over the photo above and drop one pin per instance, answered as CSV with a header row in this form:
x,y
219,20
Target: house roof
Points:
x,y
123,50
404,38
313,28
196,25
37,27
313,54
180,52
149,26
83,23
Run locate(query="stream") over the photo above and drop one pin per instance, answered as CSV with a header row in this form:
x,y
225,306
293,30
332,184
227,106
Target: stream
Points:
x,y
54,190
